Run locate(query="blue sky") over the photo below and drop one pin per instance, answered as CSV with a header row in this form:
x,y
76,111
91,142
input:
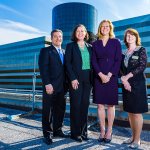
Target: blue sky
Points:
x,y
26,19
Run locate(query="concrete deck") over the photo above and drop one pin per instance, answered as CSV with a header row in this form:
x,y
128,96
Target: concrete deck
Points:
x,y
26,134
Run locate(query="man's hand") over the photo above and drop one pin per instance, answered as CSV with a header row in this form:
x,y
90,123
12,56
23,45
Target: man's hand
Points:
x,y
75,84
49,89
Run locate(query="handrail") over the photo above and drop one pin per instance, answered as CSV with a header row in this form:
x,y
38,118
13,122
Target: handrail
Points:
x,y
19,90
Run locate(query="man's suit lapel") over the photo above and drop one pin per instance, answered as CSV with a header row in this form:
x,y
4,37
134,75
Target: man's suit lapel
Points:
x,y
56,54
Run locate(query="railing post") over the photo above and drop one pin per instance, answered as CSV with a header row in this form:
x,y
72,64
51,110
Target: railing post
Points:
x,y
34,84
33,90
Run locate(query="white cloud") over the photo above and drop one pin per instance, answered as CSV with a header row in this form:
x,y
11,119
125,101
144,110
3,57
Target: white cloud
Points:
x,y
15,31
13,25
7,8
118,10
110,10
56,2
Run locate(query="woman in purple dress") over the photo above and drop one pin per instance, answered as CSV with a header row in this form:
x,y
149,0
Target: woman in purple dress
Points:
x,y
106,59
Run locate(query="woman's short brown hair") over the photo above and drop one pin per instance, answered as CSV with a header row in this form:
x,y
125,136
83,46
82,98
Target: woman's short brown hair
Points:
x,y
132,32
111,33
74,38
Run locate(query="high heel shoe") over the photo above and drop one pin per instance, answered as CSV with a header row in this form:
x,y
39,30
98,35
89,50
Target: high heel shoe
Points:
x,y
101,139
134,145
108,140
128,141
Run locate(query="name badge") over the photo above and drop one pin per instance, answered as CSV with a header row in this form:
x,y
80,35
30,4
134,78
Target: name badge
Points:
x,y
135,57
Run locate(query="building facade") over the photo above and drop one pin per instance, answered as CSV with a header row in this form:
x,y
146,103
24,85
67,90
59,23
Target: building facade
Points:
x,y
141,24
66,16
18,61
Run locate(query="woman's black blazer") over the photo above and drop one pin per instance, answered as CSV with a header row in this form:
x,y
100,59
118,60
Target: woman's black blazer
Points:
x,y
73,60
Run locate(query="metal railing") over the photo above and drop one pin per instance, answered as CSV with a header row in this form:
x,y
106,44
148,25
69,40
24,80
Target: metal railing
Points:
x,y
30,93
33,93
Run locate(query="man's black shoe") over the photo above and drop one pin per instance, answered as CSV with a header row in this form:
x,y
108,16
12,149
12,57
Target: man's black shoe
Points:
x,y
77,138
84,137
60,133
48,140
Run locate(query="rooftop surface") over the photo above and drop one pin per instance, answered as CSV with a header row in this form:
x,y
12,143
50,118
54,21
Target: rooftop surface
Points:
x,y
25,133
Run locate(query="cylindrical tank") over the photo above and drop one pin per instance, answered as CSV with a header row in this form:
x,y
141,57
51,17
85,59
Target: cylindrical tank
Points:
x,y
67,15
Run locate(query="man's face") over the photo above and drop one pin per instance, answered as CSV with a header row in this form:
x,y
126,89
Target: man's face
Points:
x,y
57,39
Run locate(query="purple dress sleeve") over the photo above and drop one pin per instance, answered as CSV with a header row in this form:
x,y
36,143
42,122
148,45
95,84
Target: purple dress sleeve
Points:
x,y
117,61
94,60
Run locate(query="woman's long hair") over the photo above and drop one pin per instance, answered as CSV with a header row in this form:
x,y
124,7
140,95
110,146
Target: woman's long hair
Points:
x,y
111,33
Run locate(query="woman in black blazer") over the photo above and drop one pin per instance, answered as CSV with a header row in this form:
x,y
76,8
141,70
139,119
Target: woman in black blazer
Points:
x,y
78,67
134,84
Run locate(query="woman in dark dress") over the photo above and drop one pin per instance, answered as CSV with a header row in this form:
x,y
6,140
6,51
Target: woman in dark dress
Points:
x,y
78,67
106,59
134,86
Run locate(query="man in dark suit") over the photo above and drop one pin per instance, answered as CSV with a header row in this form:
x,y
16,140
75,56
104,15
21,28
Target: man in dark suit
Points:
x,y
52,74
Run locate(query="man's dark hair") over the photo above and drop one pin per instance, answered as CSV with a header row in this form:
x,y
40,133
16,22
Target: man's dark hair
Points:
x,y
56,30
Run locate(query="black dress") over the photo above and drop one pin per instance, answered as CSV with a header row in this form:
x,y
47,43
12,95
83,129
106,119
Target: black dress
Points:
x,y
136,100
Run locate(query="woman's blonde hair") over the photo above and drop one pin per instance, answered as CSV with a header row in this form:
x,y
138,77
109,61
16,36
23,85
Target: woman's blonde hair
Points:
x,y
132,32
111,33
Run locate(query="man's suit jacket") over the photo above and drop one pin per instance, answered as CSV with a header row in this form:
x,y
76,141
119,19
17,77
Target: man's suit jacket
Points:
x,y
73,60
51,68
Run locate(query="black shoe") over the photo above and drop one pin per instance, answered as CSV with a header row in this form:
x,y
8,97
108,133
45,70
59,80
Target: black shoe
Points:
x,y
108,140
60,133
84,137
77,138
101,139
48,140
